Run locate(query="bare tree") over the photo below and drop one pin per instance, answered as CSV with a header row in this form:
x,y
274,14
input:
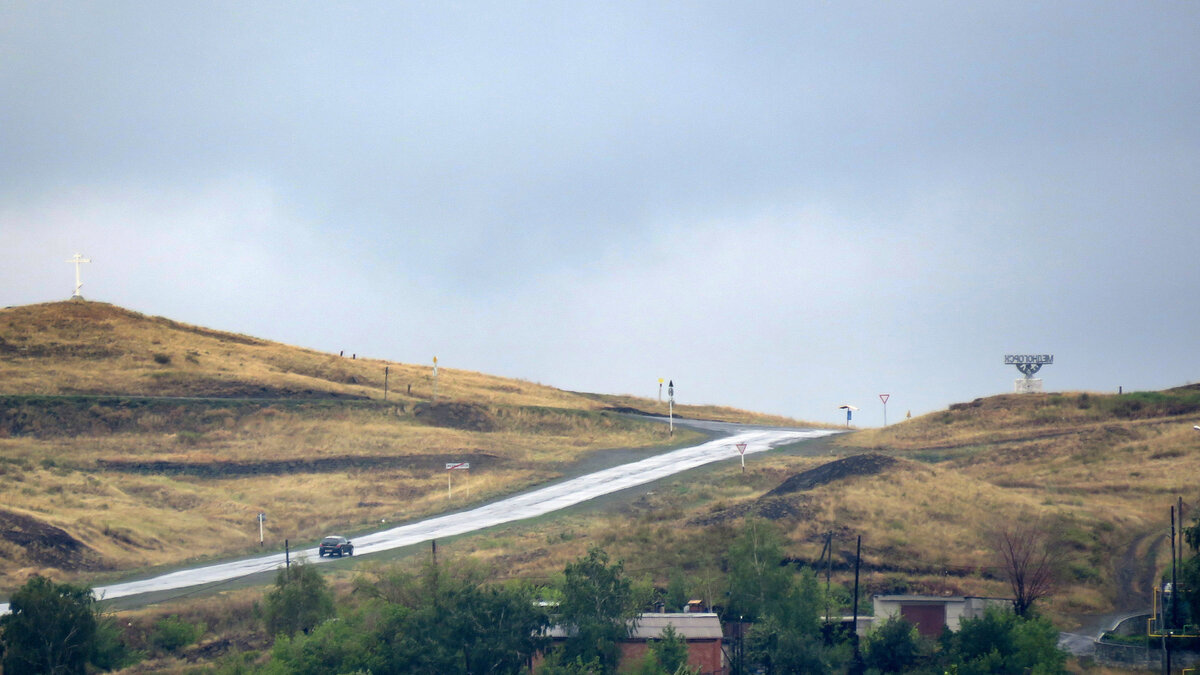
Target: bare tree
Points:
x,y
1030,558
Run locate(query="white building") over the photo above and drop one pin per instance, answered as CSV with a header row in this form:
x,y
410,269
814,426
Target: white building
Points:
x,y
931,613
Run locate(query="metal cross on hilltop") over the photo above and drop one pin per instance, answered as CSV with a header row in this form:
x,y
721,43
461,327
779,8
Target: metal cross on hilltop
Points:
x,y
78,259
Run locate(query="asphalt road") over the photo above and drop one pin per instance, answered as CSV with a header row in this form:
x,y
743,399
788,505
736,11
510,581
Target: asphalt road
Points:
x,y
526,505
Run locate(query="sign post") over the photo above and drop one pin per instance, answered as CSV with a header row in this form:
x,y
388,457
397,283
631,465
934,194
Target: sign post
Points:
x,y
884,398
660,390
849,412
262,518
741,448
450,467
671,406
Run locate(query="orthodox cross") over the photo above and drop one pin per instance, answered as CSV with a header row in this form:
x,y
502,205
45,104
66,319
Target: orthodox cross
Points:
x,y
78,284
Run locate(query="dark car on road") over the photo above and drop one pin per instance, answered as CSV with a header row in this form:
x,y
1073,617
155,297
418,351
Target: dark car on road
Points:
x,y
338,546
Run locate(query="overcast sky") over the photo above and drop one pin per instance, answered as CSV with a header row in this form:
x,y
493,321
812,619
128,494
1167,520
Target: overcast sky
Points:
x,y
781,206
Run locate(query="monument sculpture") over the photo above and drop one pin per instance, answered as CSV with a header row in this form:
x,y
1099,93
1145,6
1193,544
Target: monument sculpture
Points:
x,y
1028,364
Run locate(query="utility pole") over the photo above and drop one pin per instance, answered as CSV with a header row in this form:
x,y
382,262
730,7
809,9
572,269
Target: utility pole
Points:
x,y
436,581
742,650
856,667
1181,539
827,550
287,555
1174,586
1169,618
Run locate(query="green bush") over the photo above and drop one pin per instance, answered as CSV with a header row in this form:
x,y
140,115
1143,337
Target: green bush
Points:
x,y
299,602
170,634
54,628
895,647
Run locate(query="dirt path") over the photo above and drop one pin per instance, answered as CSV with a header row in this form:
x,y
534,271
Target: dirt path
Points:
x,y
1135,576
1136,572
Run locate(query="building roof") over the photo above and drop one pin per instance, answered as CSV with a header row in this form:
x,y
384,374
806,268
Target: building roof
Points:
x,y
690,626
938,598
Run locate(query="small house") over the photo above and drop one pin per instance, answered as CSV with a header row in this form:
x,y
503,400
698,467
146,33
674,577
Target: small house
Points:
x,y
701,632
932,613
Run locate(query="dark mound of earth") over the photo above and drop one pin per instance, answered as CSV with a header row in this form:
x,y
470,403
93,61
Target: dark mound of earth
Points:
x,y
626,410
857,465
294,466
770,508
47,545
463,416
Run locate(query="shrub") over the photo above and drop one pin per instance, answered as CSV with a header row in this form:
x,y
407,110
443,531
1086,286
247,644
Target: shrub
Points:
x,y
299,602
170,634
54,628
189,437
162,359
894,646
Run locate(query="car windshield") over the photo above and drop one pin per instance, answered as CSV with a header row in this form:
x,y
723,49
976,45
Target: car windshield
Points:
x,y
330,541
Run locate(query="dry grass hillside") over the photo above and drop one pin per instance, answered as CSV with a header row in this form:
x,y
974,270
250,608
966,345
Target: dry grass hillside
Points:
x,y
1123,458
129,441
1098,473
96,348
92,348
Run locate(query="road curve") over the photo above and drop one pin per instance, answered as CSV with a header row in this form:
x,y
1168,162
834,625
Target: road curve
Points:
x,y
519,507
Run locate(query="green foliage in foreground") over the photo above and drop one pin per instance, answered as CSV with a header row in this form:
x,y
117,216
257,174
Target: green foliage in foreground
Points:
x,y
597,607
171,633
299,601
999,642
895,647
450,619
666,656
440,621
54,628
1187,613
456,619
1002,642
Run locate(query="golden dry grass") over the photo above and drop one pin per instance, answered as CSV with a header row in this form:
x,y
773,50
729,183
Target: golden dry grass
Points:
x,y
702,412
1103,469
135,519
87,457
97,348
923,531
1099,472
1082,453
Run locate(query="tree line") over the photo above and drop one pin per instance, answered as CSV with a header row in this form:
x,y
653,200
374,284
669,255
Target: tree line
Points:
x,y
455,617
